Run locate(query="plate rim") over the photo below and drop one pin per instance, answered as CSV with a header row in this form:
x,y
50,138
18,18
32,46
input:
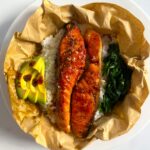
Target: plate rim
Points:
x,y
3,51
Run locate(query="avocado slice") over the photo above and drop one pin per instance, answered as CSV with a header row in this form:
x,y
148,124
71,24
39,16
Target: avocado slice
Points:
x,y
30,83
22,94
33,96
21,83
39,65
40,87
26,78
42,98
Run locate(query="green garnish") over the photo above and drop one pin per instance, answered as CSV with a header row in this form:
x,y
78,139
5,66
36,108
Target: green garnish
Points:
x,y
118,76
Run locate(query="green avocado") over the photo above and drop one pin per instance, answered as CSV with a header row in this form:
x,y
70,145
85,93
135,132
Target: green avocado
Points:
x,y
26,72
22,93
30,81
21,84
42,98
39,65
33,96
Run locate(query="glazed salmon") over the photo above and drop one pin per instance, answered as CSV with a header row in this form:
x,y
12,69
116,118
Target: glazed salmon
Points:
x,y
86,93
72,56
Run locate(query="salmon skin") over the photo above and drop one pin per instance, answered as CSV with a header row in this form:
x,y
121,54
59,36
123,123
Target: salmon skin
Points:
x,y
86,93
72,56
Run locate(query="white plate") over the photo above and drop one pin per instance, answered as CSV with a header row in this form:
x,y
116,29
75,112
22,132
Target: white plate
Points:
x,y
18,25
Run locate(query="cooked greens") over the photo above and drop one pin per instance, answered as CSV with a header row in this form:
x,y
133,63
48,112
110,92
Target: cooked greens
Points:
x,y
118,78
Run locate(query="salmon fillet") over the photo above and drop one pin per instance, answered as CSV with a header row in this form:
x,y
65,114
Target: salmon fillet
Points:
x,y
86,93
72,56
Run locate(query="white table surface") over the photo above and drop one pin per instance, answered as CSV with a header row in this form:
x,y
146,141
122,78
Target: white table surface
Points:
x,y
9,9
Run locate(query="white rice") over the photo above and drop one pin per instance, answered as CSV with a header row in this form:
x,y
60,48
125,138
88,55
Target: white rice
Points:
x,y
49,52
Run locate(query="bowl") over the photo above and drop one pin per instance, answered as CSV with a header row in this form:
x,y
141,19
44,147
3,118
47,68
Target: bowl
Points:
x,y
19,24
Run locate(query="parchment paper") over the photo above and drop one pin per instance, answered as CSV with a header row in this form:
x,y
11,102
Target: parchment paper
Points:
x,y
106,19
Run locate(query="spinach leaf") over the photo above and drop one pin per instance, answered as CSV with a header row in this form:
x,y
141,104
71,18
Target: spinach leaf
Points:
x,y
118,76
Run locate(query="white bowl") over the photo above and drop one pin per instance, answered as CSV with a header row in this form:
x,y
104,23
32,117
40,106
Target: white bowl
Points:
x,y
18,25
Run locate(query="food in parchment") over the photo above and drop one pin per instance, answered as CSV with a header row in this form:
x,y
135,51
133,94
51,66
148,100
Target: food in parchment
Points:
x,y
35,98
87,81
